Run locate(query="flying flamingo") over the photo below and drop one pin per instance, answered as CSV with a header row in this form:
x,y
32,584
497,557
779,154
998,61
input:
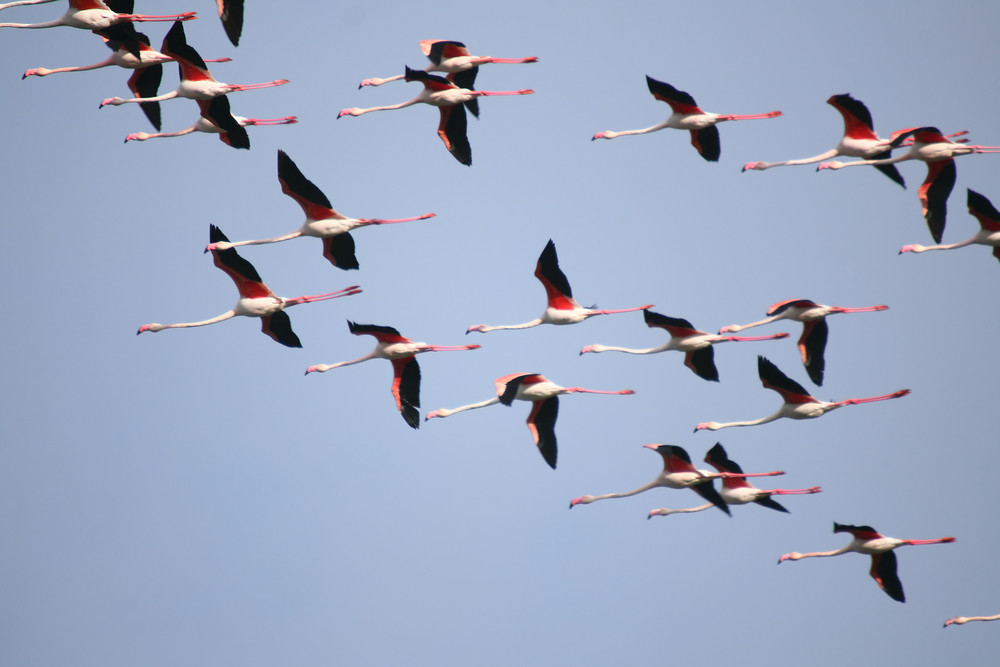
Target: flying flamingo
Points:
x,y
687,116
812,342
939,153
197,82
696,345
256,298
960,620
868,541
321,220
859,140
405,370
678,473
450,99
989,223
121,57
736,490
207,126
147,66
798,404
562,308
456,61
544,396
92,15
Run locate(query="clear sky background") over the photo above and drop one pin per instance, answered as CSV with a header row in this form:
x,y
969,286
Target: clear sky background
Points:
x,y
189,498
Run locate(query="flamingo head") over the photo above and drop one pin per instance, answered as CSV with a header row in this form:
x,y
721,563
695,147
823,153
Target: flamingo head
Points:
x,y
582,500
149,327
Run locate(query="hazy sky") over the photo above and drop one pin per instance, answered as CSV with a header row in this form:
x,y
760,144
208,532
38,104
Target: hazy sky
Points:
x,y
189,498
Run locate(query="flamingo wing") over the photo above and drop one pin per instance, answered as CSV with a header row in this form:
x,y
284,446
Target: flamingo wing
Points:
x,y
279,327
294,184
405,386
772,378
675,326
719,459
983,210
883,571
339,250
812,344
247,280
678,100
381,334
557,289
190,64
453,130
217,112
437,50
542,424
707,491
231,15
771,503
702,362
706,142
934,194
857,118
145,82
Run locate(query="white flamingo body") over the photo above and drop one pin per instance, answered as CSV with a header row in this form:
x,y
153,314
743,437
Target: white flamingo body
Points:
x,y
256,298
321,221
449,57
197,83
678,473
696,345
798,404
812,342
988,234
859,140
406,372
92,15
544,396
686,115
208,127
866,540
561,308
929,146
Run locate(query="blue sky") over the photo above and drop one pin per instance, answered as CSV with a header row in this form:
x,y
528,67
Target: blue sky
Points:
x,y
188,497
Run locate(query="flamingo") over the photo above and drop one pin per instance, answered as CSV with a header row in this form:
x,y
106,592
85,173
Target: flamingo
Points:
x,y
939,153
92,15
406,372
687,116
321,220
450,98
812,342
859,140
197,82
456,61
960,620
231,15
256,298
562,308
544,396
736,490
869,541
147,66
696,345
121,57
988,234
798,404
207,126
679,473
